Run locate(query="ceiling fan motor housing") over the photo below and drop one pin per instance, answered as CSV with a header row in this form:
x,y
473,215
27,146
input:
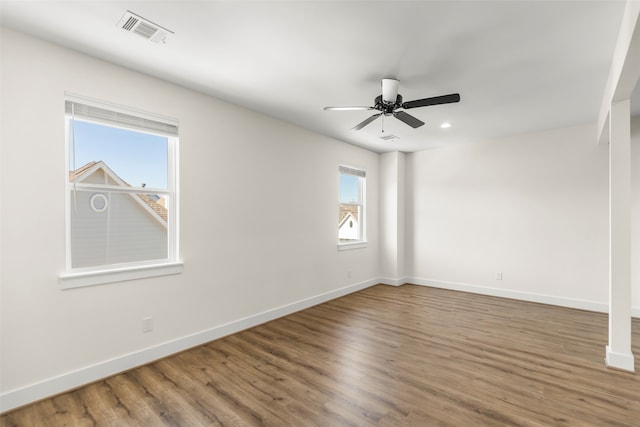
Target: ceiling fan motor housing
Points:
x,y
387,107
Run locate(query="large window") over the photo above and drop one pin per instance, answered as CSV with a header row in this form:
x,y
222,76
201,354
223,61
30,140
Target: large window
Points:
x,y
351,212
121,194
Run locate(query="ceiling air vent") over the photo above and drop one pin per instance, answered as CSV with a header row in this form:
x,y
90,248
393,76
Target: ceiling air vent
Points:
x,y
143,27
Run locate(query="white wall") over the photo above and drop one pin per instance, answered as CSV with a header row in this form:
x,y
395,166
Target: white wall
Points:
x,y
237,167
534,207
635,214
392,217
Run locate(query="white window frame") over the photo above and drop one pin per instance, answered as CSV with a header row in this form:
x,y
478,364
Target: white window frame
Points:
x,y
344,169
142,122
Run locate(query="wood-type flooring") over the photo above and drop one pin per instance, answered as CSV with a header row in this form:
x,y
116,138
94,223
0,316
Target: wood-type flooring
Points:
x,y
384,356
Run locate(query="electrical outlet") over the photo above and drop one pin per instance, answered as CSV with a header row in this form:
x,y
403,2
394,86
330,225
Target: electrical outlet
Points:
x,y
499,275
147,324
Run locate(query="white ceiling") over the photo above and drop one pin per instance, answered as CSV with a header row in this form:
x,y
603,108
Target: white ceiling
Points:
x,y
519,66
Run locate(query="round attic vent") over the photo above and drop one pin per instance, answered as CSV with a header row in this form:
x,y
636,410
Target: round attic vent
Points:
x,y
98,203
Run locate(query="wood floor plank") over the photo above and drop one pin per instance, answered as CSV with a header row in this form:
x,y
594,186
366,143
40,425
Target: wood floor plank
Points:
x,y
104,405
384,356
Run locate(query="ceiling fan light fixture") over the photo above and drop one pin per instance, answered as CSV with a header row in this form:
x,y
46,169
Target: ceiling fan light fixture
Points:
x,y
446,125
390,90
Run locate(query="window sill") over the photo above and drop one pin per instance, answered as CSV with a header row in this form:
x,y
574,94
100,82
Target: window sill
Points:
x,y
352,245
81,279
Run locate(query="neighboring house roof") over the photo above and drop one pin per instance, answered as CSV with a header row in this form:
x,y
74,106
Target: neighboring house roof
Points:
x,y
157,207
81,170
345,210
151,205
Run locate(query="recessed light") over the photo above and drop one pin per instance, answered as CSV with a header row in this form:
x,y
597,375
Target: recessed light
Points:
x,y
446,125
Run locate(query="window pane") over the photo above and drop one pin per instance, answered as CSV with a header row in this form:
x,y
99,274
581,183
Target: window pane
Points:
x,y
349,189
138,158
112,228
349,219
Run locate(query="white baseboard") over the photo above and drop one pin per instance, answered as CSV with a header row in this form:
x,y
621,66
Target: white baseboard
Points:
x,y
624,361
519,295
19,397
392,282
599,307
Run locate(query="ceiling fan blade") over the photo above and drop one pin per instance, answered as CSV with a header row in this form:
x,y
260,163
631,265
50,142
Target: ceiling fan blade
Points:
x,y
436,100
408,119
347,108
366,122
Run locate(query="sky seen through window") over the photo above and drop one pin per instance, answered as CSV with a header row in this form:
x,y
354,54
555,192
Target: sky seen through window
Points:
x,y
136,157
349,189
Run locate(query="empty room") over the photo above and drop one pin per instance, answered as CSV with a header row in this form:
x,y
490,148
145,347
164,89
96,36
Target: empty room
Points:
x,y
320,213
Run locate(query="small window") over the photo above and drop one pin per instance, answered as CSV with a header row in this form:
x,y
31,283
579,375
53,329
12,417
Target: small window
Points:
x,y
351,211
121,191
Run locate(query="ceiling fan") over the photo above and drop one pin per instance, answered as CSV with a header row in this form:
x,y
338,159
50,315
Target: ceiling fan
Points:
x,y
390,101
